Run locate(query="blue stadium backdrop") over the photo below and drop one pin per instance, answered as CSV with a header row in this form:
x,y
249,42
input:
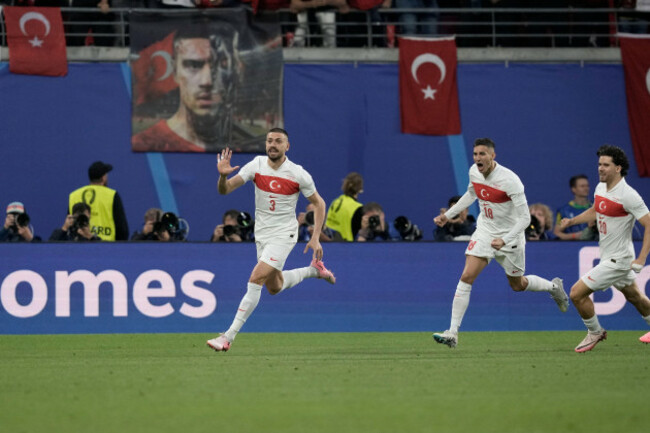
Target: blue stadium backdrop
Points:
x,y
191,287
547,121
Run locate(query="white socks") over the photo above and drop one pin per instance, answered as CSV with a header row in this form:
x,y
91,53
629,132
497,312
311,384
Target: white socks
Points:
x,y
538,284
459,306
295,276
246,307
592,324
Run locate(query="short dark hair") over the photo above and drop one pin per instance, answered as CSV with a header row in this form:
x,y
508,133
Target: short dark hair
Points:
x,y
576,178
484,142
618,157
372,206
232,213
453,200
79,208
280,130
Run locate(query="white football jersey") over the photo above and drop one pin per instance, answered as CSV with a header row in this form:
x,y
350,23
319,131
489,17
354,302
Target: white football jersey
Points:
x,y
498,195
276,195
616,212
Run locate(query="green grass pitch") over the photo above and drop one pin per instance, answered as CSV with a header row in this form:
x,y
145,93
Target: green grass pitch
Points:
x,y
345,382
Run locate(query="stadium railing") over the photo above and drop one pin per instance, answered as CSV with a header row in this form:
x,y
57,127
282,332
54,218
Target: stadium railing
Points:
x,y
493,34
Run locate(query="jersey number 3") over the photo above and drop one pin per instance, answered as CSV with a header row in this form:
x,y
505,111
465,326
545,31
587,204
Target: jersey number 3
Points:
x,y
272,205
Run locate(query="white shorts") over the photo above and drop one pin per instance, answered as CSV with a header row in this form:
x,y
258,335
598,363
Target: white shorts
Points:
x,y
605,275
274,254
512,258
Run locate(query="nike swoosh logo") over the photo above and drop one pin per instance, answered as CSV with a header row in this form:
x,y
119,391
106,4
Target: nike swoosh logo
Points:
x,y
589,278
273,260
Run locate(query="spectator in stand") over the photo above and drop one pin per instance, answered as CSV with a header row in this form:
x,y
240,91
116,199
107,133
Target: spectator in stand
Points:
x,y
324,12
90,28
635,17
418,23
541,226
17,227
151,217
459,228
579,185
76,226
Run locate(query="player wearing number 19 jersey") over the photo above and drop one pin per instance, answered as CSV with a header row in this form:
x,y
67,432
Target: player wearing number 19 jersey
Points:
x,y
615,208
499,235
278,182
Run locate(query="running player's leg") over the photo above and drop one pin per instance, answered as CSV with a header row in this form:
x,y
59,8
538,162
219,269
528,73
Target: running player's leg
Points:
x,y
641,302
473,267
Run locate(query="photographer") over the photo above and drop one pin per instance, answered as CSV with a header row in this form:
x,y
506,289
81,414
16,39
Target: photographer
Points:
x,y
17,227
306,227
76,226
459,228
236,227
151,217
373,225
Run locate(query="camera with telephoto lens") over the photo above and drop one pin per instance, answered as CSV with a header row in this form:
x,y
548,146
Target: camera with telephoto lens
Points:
x,y
374,222
534,229
407,230
309,218
21,220
80,221
168,222
243,228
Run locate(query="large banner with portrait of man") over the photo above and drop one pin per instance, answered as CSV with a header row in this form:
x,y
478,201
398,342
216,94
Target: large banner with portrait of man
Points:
x,y
204,80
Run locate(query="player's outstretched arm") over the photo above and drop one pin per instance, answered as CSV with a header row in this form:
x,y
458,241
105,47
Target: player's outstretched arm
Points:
x,y
225,185
585,217
319,219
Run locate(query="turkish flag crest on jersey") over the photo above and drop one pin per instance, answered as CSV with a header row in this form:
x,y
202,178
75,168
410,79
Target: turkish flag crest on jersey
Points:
x,y
36,41
635,51
427,86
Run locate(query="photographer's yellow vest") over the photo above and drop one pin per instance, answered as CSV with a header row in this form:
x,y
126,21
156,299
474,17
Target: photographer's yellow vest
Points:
x,y
100,200
339,216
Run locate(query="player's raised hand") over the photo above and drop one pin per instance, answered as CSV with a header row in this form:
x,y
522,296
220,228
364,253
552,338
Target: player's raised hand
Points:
x,y
223,162
316,247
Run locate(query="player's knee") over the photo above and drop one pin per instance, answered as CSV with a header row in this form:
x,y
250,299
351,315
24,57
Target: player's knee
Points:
x,y
517,285
273,290
576,295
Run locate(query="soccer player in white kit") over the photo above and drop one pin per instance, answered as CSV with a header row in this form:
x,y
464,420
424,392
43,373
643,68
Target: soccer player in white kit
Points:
x,y
615,208
278,182
499,235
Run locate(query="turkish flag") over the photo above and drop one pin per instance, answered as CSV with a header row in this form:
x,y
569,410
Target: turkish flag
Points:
x,y
427,86
635,51
36,41
153,71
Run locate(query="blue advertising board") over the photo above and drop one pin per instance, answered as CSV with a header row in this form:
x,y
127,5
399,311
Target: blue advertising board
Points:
x,y
196,287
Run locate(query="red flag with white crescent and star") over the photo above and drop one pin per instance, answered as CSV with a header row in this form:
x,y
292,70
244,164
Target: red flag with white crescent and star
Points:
x,y
427,86
36,41
153,71
635,51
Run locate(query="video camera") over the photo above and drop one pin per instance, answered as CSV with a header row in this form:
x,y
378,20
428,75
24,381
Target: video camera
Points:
x,y
373,222
178,228
80,221
407,230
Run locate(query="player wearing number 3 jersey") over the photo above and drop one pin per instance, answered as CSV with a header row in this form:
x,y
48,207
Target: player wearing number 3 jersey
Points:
x,y
615,208
278,182
499,235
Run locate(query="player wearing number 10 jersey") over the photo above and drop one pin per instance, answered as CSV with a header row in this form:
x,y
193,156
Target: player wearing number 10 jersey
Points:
x,y
278,182
499,235
615,208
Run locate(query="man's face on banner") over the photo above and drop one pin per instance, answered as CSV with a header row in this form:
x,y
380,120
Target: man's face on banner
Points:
x,y
202,73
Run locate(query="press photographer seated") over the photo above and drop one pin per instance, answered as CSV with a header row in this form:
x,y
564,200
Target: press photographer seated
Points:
x,y
76,226
236,226
17,227
373,225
